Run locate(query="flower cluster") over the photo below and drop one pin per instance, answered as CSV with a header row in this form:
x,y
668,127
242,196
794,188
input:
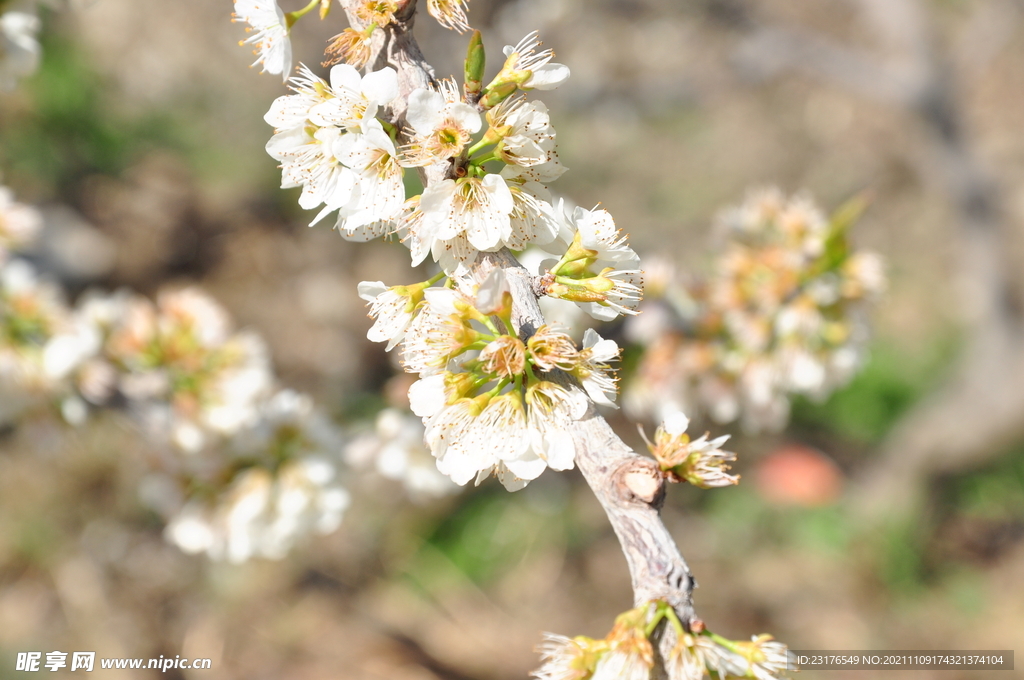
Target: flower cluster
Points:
x,y
19,45
261,465
331,142
627,652
782,313
700,462
178,362
499,152
490,402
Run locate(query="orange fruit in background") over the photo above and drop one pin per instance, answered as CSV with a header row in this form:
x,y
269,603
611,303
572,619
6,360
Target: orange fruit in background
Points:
x,y
795,474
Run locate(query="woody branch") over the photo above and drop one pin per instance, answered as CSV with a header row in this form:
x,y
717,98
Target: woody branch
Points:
x,y
629,487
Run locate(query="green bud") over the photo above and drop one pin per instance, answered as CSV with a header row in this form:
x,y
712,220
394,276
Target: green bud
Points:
x,y
476,59
325,9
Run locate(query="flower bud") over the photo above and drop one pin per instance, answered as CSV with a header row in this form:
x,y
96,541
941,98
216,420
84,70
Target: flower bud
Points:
x,y
474,69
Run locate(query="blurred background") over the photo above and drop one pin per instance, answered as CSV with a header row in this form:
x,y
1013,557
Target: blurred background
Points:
x,y
889,517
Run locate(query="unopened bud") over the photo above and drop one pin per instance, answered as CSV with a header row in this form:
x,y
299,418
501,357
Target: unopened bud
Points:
x,y
574,293
475,62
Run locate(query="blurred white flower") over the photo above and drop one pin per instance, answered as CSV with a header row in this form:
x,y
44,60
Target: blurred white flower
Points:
x,y
781,314
32,313
287,489
19,223
183,371
261,515
19,44
395,447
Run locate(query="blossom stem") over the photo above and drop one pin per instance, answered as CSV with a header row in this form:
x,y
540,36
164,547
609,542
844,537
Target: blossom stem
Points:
x,y
291,17
486,320
671,615
492,156
658,616
529,370
499,387
482,144
725,642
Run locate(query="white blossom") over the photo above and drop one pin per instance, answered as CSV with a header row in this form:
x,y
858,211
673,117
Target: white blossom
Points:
x,y
270,34
542,173
290,112
532,220
476,207
544,75
528,138
395,447
461,449
552,410
563,658
622,664
442,124
437,332
380,192
353,99
593,371
684,661
392,310
613,259
310,127
701,462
